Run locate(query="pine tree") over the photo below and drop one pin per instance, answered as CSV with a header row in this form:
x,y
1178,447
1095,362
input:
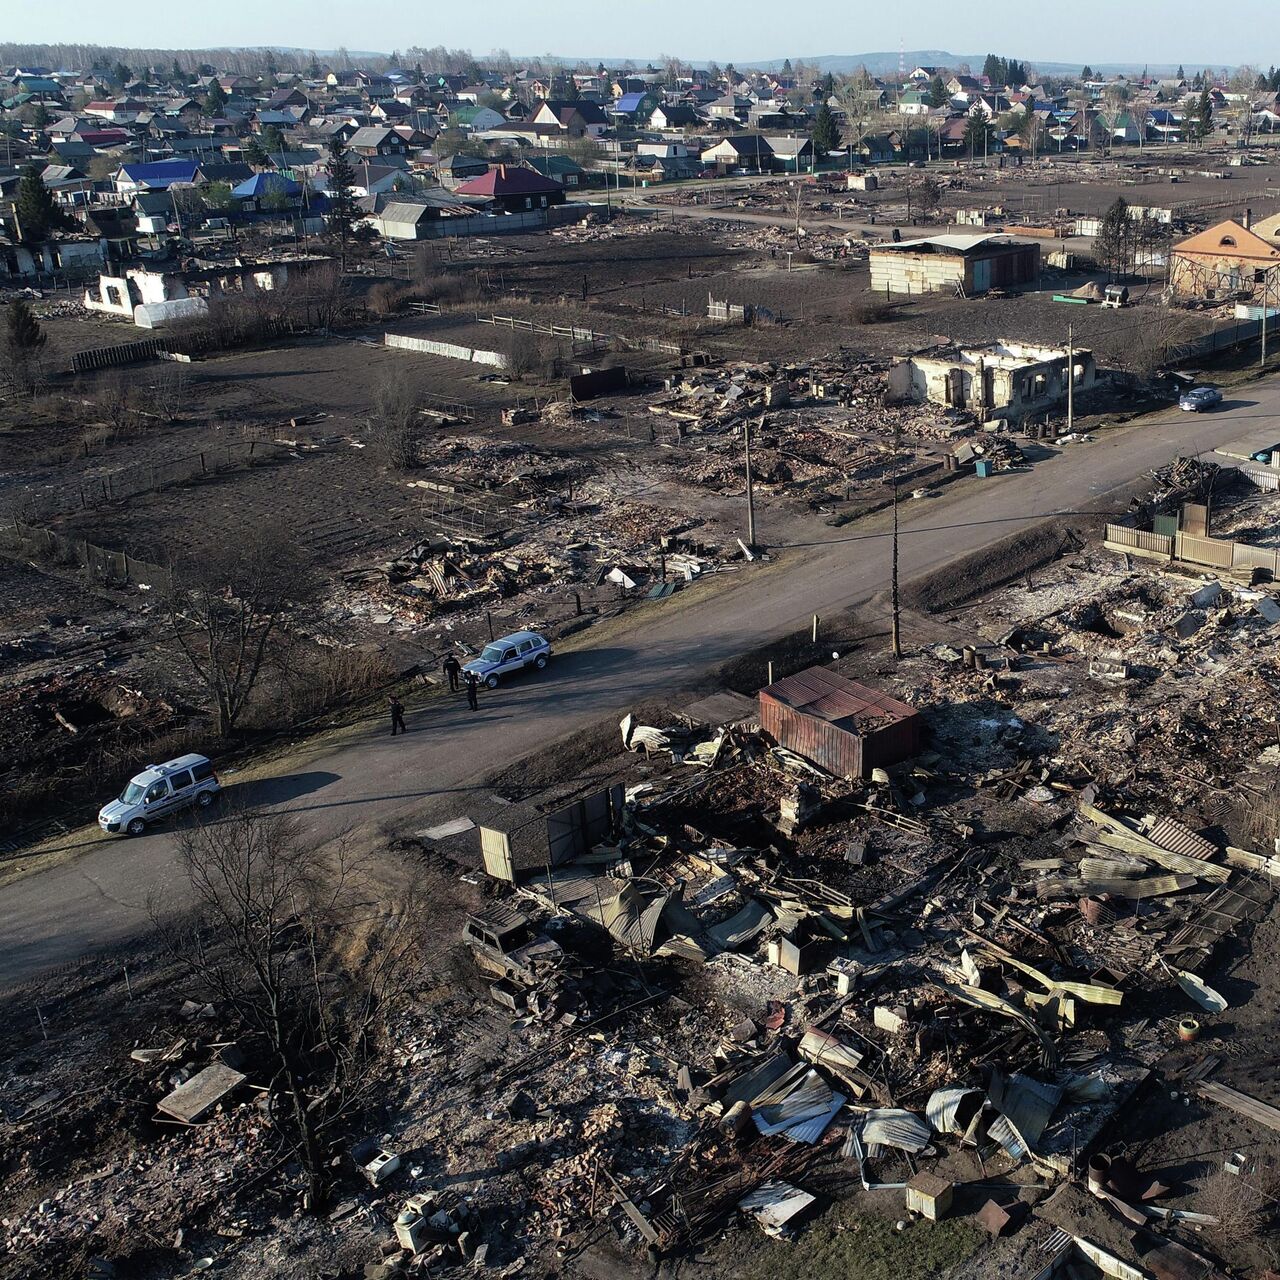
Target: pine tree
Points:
x,y
826,137
787,71
1087,72
23,338
23,332
937,92
1114,245
214,100
975,132
1202,119
342,201
1182,75
254,154
36,212
991,69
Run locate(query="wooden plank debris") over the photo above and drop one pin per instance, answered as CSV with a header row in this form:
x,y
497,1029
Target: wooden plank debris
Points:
x,y
1241,1103
189,1101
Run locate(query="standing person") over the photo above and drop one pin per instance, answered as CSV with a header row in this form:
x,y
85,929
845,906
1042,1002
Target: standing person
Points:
x,y
453,669
397,716
473,686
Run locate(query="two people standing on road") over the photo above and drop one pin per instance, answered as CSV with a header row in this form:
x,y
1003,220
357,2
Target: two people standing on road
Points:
x,y
453,669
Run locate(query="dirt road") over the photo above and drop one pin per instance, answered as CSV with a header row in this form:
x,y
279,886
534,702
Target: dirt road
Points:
x,y
99,897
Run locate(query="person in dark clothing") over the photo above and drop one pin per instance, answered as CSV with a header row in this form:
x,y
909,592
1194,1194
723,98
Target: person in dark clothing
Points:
x,y
453,669
397,716
473,686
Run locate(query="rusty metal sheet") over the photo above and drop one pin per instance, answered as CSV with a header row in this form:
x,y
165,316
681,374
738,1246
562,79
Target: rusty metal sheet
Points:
x,y
1175,838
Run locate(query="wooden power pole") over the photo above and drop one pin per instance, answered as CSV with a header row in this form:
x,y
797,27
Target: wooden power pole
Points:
x,y
1071,382
751,497
897,621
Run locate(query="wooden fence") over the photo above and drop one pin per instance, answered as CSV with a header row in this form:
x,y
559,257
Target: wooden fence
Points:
x,y
100,563
116,486
1209,553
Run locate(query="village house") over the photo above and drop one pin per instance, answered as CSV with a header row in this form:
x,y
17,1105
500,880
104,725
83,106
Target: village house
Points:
x,y
749,152
674,117
513,189
1227,260
378,142
572,119
452,171
412,218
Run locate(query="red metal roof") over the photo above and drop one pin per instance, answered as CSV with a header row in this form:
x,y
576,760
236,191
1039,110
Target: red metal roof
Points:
x,y
509,180
825,695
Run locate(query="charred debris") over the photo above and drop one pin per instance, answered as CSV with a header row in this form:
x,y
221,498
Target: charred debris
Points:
x,y
958,937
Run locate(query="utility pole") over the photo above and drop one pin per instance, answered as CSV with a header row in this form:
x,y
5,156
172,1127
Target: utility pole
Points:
x,y
897,621
1071,383
751,497
1266,291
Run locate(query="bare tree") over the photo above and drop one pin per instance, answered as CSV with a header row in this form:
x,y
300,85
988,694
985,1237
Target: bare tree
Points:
x,y
306,956
924,197
168,391
229,610
857,103
393,426
1143,349
114,397
1241,87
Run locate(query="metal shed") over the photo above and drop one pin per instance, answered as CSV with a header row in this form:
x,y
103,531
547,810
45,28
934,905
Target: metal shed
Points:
x,y
845,728
525,839
945,263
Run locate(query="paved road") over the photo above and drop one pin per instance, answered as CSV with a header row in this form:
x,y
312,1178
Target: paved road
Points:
x,y
99,897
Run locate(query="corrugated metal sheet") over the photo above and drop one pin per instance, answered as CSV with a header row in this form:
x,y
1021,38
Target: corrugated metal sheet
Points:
x,y
825,694
752,1083
1176,838
890,1127
809,1098
825,1050
944,1105
774,1205
1006,1135
1027,1104
809,1131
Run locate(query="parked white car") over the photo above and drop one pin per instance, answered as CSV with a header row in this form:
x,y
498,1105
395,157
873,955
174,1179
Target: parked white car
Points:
x,y
511,653
159,790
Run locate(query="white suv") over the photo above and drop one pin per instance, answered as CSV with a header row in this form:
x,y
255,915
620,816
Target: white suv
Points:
x,y
160,789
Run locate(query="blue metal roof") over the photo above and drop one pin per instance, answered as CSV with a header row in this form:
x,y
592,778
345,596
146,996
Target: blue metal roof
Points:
x,y
265,184
160,173
630,102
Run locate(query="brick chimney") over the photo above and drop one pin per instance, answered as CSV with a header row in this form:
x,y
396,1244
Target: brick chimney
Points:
x,y
1247,220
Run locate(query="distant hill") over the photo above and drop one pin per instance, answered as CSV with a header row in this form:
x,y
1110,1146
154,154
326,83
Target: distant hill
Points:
x,y
886,63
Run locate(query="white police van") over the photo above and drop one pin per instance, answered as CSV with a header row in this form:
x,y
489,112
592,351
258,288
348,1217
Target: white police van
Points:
x,y
159,790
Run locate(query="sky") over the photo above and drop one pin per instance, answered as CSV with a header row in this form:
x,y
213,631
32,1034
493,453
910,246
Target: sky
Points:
x,y
746,31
